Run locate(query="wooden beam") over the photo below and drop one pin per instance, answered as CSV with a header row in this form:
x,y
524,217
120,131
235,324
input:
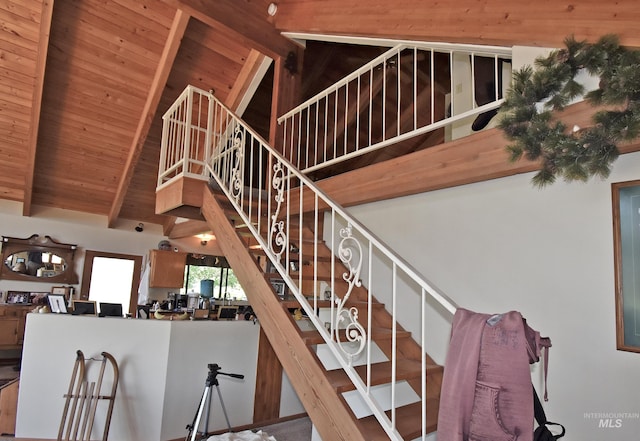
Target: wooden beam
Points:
x,y
242,20
248,80
543,23
475,158
324,406
168,224
182,191
180,22
266,406
286,95
36,103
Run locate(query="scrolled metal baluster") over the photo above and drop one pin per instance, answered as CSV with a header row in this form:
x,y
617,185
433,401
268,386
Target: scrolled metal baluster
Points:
x,y
238,166
278,234
355,332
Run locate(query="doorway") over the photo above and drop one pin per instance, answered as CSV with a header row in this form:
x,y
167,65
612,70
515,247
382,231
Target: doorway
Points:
x,y
111,278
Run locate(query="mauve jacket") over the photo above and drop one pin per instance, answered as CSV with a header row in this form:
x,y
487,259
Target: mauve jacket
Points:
x,y
486,389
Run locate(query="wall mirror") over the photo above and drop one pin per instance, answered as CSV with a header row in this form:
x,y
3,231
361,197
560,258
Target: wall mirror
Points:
x,y
38,259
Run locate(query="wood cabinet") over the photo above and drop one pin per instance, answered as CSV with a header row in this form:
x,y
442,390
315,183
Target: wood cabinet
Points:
x,y
9,406
12,322
167,269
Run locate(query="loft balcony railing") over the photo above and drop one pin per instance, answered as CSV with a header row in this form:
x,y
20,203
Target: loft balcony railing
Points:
x,y
204,139
412,89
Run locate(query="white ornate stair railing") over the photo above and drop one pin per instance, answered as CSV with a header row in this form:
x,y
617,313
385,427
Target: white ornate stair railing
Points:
x,y
274,199
412,89
185,136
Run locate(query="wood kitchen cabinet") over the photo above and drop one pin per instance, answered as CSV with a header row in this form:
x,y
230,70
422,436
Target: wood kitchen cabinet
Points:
x,y
167,269
12,322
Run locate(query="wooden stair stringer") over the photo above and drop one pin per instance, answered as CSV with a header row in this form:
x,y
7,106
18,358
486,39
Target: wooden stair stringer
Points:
x,y
325,407
408,350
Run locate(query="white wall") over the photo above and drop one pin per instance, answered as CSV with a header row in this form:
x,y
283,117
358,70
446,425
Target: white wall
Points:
x,y
184,369
502,245
139,346
89,232
163,368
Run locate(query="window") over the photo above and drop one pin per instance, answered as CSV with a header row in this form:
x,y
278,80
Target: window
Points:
x,y
111,278
212,268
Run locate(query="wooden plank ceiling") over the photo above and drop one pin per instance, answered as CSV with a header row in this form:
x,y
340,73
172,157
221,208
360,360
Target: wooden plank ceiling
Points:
x,y
108,70
84,83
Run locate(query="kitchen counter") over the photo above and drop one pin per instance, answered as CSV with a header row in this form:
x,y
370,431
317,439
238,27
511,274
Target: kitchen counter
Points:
x,y
163,367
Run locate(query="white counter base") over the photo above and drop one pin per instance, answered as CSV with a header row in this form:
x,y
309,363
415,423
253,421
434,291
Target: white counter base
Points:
x,y
163,368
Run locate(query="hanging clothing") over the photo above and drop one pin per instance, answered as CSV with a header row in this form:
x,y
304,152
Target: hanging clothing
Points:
x,y
486,387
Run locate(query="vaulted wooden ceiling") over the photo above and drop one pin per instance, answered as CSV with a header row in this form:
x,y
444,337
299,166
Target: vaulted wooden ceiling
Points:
x,y
80,111
84,83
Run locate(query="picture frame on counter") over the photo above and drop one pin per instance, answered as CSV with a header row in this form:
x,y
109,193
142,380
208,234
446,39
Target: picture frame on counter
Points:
x,y
143,311
57,303
227,312
18,297
64,290
84,307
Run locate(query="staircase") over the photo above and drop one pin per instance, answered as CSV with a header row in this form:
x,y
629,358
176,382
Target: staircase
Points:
x,y
408,365
345,315
358,359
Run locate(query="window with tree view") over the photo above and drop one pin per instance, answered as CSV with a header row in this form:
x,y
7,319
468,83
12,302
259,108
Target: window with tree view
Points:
x,y
201,267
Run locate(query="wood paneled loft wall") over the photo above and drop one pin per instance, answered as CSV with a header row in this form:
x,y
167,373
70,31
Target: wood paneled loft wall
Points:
x,y
501,22
545,23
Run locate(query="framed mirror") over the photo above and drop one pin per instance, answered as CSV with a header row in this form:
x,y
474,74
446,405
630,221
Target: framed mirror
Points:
x,y
38,259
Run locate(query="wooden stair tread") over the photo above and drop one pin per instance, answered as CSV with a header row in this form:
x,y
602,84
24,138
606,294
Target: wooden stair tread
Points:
x,y
408,422
307,277
313,337
293,303
294,231
380,373
321,258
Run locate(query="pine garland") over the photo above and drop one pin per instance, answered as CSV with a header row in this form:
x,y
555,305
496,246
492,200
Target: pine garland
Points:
x,y
572,153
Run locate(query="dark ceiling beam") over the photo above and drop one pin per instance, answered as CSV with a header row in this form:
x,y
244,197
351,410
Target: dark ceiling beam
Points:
x,y
178,27
323,56
423,101
36,103
242,20
247,81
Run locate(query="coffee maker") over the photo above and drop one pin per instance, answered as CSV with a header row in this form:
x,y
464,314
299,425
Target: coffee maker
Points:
x,y
181,301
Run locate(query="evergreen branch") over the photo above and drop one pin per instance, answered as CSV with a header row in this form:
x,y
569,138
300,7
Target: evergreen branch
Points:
x,y
526,117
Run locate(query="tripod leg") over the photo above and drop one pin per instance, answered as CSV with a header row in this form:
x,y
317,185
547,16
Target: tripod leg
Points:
x,y
206,400
195,418
205,432
224,410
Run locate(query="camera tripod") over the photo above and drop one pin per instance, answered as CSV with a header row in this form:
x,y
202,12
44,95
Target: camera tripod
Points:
x,y
205,404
